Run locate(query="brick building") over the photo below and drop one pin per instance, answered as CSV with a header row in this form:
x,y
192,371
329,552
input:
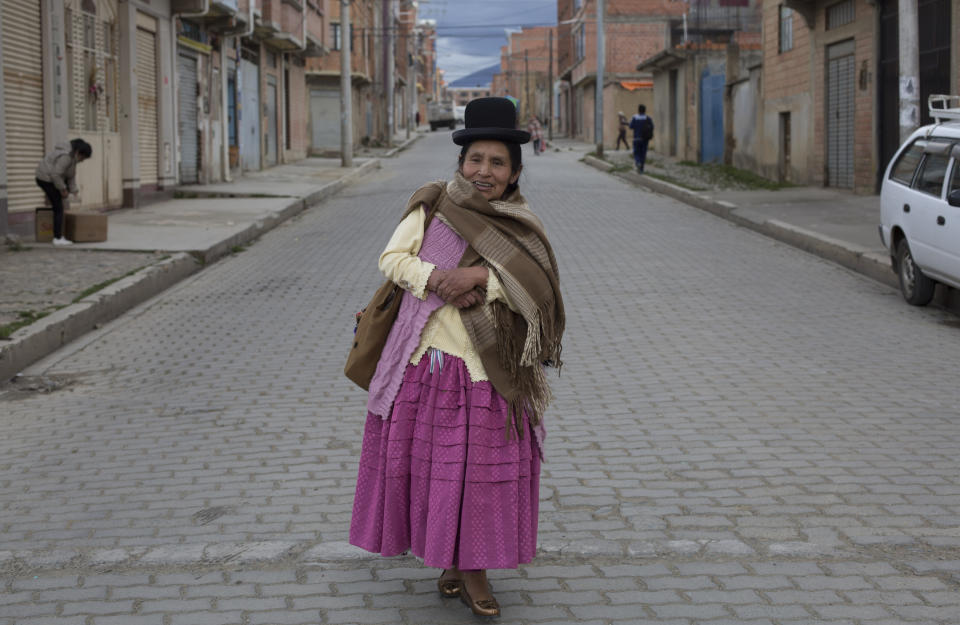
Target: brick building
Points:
x,y
634,29
830,111
704,107
167,92
525,70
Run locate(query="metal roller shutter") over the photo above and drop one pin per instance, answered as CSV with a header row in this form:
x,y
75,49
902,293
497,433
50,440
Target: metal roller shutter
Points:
x,y
23,102
147,106
189,144
840,111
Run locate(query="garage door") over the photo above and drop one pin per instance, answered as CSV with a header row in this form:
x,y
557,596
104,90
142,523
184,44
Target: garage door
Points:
x,y
147,100
23,102
325,119
840,77
189,143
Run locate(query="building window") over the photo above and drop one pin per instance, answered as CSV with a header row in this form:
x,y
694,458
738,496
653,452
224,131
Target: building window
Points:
x,y
336,36
576,5
840,14
579,43
786,29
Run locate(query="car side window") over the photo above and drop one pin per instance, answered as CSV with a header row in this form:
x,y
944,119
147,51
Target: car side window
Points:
x,y
955,178
932,173
907,163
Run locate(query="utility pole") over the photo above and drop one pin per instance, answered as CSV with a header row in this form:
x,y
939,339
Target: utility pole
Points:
x,y
391,61
346,103
411,86
598,88
550,86
526,81
909,68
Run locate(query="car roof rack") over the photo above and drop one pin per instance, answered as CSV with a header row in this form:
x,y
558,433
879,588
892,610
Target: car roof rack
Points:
x,y
940,107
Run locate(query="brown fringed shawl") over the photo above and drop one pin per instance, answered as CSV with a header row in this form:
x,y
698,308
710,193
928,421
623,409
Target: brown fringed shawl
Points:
x,y
506,237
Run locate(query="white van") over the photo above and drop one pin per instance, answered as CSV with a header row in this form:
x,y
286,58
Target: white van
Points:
x,y
920,205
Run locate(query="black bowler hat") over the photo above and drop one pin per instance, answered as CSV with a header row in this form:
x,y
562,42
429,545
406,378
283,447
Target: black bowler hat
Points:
x,y
490,118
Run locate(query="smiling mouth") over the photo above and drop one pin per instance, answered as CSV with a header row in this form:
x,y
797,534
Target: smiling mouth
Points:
x,y
482,186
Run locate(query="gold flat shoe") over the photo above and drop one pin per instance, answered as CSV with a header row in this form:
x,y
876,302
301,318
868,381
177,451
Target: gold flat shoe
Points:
x,y
449,588
484,607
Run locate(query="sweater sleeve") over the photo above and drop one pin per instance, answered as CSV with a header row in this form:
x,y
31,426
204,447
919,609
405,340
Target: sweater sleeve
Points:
x,y
495,290
399,261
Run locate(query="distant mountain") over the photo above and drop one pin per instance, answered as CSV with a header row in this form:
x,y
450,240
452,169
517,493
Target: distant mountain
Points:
x,y
480,78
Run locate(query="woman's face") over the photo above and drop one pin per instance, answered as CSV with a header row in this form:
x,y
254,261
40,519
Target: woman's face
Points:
x,y
486,165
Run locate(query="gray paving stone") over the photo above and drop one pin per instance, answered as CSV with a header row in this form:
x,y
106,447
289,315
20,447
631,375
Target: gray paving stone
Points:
x,y
696,612
207,618
792,468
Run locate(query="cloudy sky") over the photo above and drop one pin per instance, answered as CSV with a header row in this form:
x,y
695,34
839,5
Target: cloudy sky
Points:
x,y
472,31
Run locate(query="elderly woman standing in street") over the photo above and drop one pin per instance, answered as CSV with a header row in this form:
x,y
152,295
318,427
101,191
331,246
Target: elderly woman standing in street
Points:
x,y
57,176
450,463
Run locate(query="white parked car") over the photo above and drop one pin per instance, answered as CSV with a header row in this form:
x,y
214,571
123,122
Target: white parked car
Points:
x,y
920,205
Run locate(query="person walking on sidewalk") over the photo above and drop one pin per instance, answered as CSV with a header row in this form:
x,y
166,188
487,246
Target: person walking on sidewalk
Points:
x,y
642,127
623,124
450,461
57,176
536,134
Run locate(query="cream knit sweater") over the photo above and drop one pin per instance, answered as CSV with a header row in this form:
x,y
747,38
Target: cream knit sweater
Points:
x,y
444,330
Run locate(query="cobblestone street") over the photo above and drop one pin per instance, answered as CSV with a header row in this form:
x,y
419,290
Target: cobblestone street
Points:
x,y
742,434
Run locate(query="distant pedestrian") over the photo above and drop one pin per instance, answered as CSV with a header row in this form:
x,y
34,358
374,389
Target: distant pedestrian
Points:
x,y
417,117
642,127
622,134
536,135
57,176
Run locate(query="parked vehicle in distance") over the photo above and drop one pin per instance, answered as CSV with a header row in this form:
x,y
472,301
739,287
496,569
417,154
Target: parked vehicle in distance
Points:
x,y
458,112
441,114
920,205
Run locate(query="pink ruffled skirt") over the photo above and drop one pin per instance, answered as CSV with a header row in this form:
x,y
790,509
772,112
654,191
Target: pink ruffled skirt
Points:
x,y
440,478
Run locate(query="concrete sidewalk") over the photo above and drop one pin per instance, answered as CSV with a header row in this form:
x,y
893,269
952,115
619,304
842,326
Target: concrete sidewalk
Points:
x,y
77,288
834,224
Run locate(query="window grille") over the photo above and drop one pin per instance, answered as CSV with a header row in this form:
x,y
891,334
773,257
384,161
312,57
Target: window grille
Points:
x,y
786,29
840,14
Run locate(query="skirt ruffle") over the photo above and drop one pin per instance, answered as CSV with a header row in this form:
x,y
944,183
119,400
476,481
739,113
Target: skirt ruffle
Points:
x,y
441,479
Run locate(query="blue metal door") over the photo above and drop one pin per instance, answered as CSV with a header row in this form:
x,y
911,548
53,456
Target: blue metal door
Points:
x,y
711,116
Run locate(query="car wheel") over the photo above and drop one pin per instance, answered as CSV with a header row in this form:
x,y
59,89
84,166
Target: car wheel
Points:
x,y
916,288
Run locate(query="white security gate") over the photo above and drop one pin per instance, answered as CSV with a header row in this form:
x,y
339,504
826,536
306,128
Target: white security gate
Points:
x,y
325,119
147,99
189,141
271,106
23,102
840,112
250,115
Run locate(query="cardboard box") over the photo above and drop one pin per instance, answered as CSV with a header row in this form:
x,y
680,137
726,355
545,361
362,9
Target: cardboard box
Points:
x,y
85,227
43,225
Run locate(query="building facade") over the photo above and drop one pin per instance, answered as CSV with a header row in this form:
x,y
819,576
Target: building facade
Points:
x,y
166,92
634,29
831,111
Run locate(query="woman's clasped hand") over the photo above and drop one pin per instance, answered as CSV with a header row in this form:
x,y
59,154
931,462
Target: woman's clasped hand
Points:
x,y
460,287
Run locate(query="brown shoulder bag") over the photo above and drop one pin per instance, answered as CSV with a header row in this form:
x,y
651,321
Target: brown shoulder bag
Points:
x,y
373,327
